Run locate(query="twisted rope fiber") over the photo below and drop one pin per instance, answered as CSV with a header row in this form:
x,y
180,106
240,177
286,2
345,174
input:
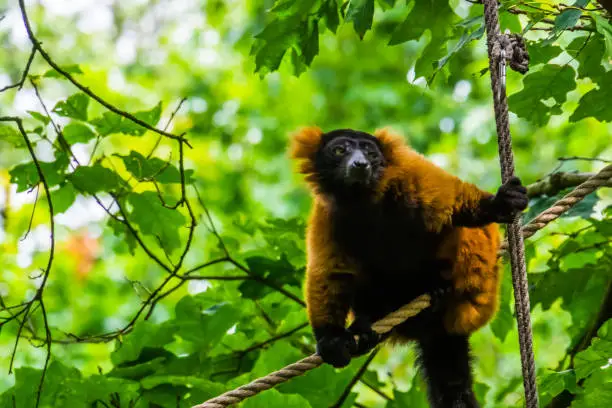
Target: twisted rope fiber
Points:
x,y
299,368
502,47
564,204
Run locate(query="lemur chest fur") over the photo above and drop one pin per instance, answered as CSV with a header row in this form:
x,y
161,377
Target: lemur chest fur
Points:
x,y
385,237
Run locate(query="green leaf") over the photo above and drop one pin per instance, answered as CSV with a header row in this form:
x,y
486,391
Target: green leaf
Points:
x,y
100,388
10,135
273,398
415,397
76,132
604,28
604,226
435,17
295,225
386,4
555,283
274,41
321,387
331,15
111,122
40,117
253,290
295,28
554,383
596,102
552,81
62,385
599,354
108,124
145,336
26,384
290,8
597,391
182,381
71,69
540,53
26,175
278,271
503,322
96,178
154,168
481,390
122,231
74,107
153,219
150,117
205,327
310,41
589,52
467,37
141,370
299,67
566,19
508,21
63,198
361,13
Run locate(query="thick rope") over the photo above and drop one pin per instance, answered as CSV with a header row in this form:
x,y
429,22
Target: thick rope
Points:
x,y
299,368
603,178
502,48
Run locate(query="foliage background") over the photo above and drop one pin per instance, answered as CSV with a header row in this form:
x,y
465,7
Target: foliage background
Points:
x,y
211,307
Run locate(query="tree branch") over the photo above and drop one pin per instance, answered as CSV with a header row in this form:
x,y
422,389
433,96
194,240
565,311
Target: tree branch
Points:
x,y
556,182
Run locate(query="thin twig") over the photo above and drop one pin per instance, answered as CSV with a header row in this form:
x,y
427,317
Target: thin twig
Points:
x,y
24,75
267,282
38,297
355,379
273,339
158,141
376,390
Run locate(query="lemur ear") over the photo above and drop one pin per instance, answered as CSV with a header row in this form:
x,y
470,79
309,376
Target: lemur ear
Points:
x,y
392,143
304,146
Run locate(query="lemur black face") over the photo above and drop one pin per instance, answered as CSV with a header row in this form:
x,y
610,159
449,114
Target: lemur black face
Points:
x,y
349,161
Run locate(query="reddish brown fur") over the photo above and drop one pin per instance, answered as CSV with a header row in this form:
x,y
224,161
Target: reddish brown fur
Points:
x,y
472,251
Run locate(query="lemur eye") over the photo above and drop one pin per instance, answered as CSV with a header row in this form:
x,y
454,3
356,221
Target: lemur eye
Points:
x,y
339,150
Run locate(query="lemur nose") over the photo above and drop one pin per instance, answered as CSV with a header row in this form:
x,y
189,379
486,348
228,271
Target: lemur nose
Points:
x,y
360,164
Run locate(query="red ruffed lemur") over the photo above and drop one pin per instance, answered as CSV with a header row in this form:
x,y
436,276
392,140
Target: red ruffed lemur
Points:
x,y
387,226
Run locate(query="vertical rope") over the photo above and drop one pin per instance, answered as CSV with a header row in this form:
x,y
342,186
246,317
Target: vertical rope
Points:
x,y
499,48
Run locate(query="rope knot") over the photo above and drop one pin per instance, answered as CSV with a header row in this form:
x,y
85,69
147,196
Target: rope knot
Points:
x,y
512,46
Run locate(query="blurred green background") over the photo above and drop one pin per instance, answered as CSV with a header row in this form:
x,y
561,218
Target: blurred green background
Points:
x,y
204,337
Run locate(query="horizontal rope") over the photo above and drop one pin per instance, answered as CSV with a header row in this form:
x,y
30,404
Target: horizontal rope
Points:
x,y
299,368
